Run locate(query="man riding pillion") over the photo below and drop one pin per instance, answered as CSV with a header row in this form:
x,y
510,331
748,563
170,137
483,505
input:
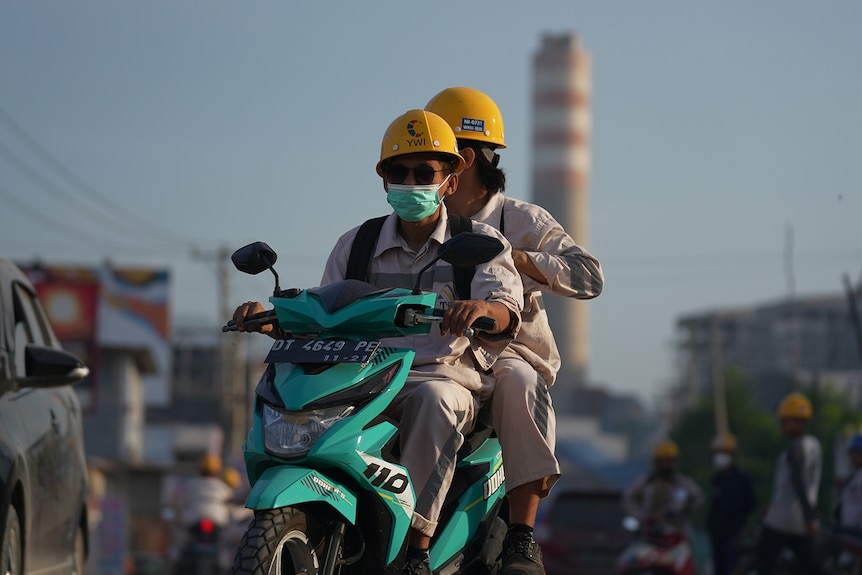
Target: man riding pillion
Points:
x,y
664,495
548,260
419,164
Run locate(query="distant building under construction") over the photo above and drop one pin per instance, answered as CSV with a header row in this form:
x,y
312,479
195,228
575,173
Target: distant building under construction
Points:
x,y
562,118
773,348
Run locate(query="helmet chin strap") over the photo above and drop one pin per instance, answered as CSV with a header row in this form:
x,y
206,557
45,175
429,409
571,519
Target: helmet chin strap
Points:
x,y
491,156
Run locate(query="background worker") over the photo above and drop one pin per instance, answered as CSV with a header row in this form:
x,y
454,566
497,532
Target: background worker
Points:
x,y
548,261
791,520
850,505
849,510
732,501
664,495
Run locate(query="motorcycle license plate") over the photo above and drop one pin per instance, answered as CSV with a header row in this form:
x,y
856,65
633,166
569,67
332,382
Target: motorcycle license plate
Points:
x,y
322,351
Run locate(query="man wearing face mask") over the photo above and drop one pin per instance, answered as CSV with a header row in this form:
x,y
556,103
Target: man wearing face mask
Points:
x,y
732,501
419,165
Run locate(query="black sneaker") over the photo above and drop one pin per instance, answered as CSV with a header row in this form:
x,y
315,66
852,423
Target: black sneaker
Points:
x,y
521,555
417,568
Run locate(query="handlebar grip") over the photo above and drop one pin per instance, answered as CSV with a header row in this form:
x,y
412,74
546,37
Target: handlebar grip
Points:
x,y
485,324
481,324
258,319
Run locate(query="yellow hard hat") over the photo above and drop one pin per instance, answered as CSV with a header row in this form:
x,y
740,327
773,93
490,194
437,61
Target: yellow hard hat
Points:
x,y
666,450
724,442
419,131
472,114
232,477
210,464
795,405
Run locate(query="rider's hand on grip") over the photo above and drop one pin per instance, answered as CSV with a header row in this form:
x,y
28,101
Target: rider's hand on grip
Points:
x,y
251,316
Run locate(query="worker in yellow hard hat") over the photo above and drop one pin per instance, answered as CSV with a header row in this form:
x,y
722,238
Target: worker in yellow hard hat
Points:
x,y
791,520
732,501
419,166
664,495
550,263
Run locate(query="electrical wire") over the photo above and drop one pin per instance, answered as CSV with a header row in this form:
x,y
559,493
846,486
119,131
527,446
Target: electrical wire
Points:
x,y
112,209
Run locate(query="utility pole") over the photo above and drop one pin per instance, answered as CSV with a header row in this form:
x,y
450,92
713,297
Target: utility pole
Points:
x,y
718,388
231,372
793,336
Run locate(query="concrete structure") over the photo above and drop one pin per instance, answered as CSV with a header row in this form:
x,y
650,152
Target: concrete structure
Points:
x,y
776,346
562,120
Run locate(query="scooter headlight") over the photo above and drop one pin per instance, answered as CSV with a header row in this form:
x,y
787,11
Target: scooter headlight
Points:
x,y
292,433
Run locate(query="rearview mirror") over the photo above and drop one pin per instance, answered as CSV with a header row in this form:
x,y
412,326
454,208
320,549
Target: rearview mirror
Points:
x,y
470,249
254,258
464,250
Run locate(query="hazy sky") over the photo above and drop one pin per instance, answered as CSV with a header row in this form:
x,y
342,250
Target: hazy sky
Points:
x,y
139,131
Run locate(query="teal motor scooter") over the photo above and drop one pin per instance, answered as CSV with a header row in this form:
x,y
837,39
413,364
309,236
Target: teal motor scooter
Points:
x,y
328,493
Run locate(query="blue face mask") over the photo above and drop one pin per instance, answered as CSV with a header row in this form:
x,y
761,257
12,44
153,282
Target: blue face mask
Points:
x,y
413,203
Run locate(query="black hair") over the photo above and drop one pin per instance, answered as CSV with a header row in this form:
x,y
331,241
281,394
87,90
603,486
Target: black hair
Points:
x,y
491,177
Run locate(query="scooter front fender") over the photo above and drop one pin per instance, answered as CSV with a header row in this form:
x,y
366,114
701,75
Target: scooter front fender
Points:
x,y
287,485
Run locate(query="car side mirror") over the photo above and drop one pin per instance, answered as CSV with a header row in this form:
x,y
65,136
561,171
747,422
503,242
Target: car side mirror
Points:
x,y
51,367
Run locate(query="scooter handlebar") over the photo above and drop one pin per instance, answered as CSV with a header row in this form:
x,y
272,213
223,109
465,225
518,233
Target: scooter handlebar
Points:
x,y
262,318
481,324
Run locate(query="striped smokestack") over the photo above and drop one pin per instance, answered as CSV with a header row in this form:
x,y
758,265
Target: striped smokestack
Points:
x,y
562,86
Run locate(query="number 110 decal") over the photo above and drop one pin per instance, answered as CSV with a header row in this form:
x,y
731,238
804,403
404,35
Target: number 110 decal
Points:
x,y
391,480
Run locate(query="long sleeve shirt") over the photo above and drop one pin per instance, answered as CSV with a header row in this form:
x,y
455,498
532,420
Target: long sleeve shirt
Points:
x,y
732,501
571,272
394,264
672,499
796,483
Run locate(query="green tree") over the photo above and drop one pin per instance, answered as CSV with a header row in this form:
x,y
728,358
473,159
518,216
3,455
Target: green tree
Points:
x,y
756,432
760,440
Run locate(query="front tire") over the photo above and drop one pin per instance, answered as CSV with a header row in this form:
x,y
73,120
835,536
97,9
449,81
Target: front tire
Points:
x,y
11,556
80,557
277,542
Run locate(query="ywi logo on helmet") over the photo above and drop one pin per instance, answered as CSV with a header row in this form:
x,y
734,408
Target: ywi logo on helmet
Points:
x,y
413,128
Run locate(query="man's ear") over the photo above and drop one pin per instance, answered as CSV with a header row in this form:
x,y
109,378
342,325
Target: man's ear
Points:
x,y
451,185
469,155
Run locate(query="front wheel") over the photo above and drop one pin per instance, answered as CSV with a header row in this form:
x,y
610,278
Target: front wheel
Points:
x,y
11,555
277,542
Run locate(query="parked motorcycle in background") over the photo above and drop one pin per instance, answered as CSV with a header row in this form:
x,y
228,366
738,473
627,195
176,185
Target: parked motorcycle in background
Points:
x,y
656,548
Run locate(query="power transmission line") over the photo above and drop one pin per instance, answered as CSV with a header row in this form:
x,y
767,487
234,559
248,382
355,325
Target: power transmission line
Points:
x,y
52,223
112,209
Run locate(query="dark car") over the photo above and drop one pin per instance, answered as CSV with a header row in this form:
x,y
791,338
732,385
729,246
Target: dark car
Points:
x,y
581,531
43,472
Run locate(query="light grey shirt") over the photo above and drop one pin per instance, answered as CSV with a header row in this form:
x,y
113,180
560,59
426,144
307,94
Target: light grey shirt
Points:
x,y
395,264
796,483
571,271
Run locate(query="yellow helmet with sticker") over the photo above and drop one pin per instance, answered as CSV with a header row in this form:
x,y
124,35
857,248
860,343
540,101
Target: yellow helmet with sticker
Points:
x,y
472,115
419,131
